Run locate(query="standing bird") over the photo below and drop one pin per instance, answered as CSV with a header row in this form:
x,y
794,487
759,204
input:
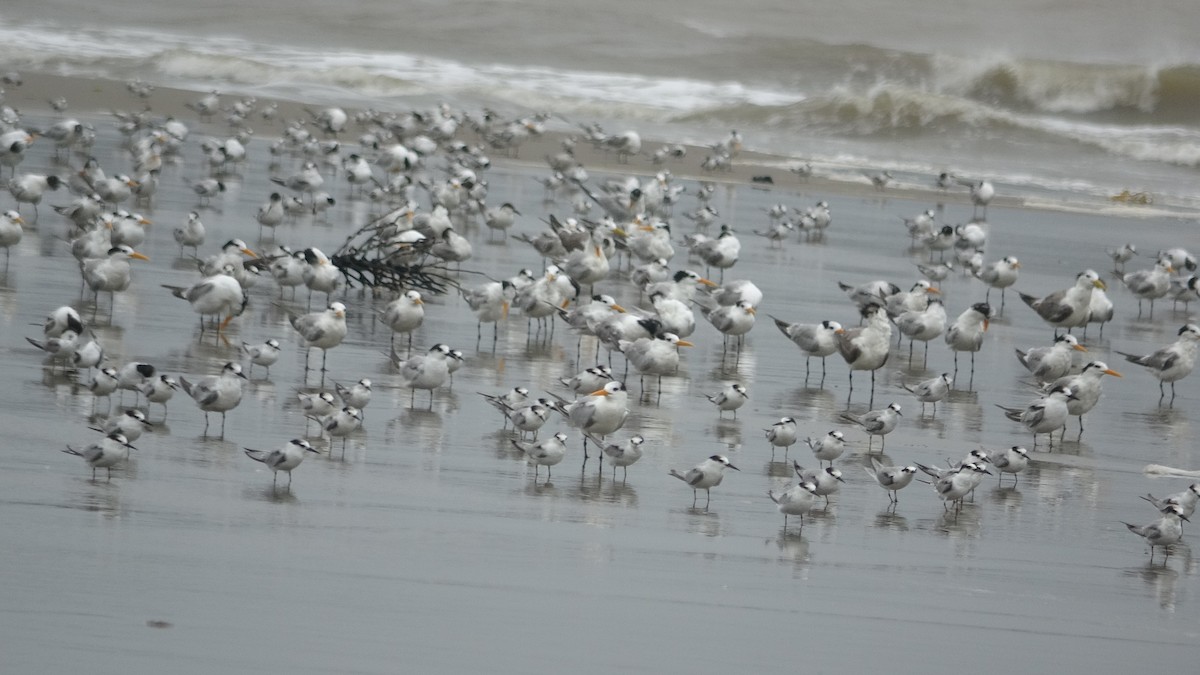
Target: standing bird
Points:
x,y
622,455
1045,415
1121,255
1150,284
110,274
828,447
213,296
217,393
1173,362
782,434
732,322
600,413
283,459
341,424
922,325
982,193
1000,274
1050,363
876,422
265,354
1012,460
815,339
966,333
867,347
271,213
545,453
191,234
931,391
732,397
29,188
424,371
404,315
500,218
323,330
105,453
891,478
1086,388
490,305
1068,308
1164,532
795,501
705,476
357,395
129,424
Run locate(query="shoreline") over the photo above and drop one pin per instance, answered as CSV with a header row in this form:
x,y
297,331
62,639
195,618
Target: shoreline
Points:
x,y
101,97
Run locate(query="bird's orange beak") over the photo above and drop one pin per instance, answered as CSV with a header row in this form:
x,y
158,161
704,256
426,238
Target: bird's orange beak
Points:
x,y
710,284
599,392
618,308
250,253
685,343
985,325
1079,348
933,290
1112,372
138,256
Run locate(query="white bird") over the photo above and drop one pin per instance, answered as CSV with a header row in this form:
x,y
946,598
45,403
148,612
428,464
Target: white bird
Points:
x,y
827,480
721,252
110,274
877,422
129,424
1000,274
158,390
867,347
213,296
931,391
782,434
828,447
264,354
317,404
891,478
59,349
1044,415
732,397
283,459
62,319
966,333
1173,362
500,218
191,234
323,330
1121,255
982,193
105,453
405,314
1185,499
103,383
271,213
424,371
1164,532
959,483
814,339
88,354
490,304
529,418
1086,388
923,325
357,395
205,189
547,452
1050,363
1150,284
654,355
705,476
795,501
622,455
1068,308
217,393
588,379
599,413
340,424
321,275
732,322
29,188
1012,460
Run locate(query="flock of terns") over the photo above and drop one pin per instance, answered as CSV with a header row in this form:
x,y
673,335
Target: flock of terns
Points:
x,y
402,159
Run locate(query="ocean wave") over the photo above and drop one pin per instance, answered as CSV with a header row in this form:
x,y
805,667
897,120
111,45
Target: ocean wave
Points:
x,y
1060,87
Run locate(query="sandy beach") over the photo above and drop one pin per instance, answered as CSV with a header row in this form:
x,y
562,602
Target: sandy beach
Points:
x,y
430,546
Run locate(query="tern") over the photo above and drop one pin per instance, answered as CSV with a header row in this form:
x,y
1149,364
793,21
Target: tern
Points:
x,y
283,459
705,476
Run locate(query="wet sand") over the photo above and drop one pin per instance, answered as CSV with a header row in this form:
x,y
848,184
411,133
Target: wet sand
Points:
x,y
430,546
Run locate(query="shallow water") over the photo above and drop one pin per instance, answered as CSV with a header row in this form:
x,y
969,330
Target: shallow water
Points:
x,y
430,545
